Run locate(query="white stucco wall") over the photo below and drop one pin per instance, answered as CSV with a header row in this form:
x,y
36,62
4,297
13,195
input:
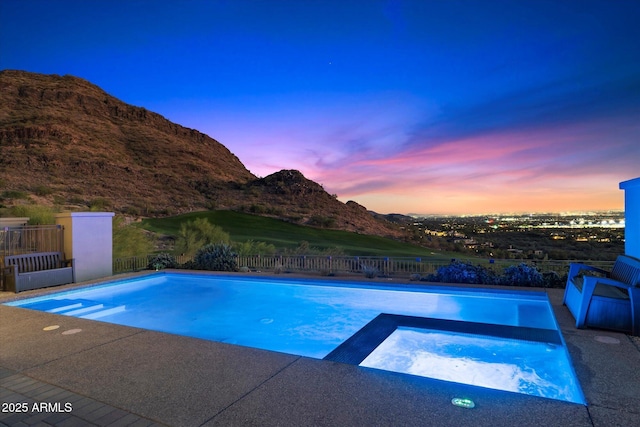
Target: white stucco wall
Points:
x,y
88,239
631,216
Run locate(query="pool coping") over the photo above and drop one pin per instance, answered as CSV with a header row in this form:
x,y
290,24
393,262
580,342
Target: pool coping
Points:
x,y
125,372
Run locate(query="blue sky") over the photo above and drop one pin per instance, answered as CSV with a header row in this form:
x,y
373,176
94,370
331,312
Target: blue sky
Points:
x,y
403,106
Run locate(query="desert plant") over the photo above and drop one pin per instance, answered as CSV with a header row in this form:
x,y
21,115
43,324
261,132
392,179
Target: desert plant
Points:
x,y
522,275
554,280
99,204
250,247
162,261
37,214
216,257
13,194
462,272
278,268
195,234
129,240
370,272
321,221
42,190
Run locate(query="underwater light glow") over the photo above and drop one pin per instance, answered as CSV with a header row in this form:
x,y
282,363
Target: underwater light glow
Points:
x,y
463,402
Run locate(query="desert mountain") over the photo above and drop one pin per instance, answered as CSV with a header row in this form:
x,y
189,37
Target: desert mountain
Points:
x,y
66,142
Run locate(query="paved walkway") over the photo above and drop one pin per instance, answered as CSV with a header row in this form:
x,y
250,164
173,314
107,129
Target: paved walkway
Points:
x,y
116,375
69,409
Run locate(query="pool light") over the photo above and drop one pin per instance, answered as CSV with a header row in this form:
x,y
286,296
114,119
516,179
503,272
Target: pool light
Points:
x,y
463,402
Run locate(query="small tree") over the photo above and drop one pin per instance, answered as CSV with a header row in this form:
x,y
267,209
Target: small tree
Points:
x,y
129,240
195,234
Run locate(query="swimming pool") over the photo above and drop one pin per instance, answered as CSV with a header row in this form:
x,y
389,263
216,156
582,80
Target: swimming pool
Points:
x,y
478,337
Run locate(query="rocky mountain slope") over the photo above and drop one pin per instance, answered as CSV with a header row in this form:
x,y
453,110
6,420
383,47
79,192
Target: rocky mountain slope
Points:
x,y
65,141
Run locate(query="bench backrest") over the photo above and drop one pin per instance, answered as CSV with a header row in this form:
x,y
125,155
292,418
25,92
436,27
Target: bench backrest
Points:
x,y
35,262
626,270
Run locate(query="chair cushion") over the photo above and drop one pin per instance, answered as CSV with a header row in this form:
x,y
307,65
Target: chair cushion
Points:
x,y
602,290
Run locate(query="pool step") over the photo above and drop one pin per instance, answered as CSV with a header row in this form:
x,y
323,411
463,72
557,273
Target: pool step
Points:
x,y
105,312
54,305
82,308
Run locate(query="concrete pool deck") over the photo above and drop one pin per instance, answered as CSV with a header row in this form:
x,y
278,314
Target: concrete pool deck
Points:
x,y
117,376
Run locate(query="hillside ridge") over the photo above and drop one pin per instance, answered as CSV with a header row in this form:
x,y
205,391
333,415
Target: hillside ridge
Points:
x,y
64,141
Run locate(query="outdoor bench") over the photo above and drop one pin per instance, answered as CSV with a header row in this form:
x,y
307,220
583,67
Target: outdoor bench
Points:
x,y
37,270
605,299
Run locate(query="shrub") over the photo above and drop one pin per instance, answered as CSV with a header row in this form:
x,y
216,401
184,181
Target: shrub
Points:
x,y
462,272
131,210
99,204
13,194
257,209
37,214
554,280
129,240
42,190
321,221
195,234
370,272
188,265
216,257
250,247
522,275
162,261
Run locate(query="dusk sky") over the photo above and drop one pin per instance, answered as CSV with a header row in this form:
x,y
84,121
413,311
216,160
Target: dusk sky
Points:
x,y
423,106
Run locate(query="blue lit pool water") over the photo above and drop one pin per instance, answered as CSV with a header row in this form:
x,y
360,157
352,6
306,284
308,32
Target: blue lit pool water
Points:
x,y
312,318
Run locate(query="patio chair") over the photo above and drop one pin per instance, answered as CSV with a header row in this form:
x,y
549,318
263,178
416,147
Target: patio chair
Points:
x,y
607,300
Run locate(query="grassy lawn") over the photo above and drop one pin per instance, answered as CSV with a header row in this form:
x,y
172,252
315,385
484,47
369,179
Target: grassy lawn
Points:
x,y
281,234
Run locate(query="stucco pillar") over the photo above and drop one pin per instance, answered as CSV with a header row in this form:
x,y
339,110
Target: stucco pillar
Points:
x,y
631,216
88,239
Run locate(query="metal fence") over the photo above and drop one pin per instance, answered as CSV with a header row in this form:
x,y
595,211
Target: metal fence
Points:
x,y
139,263
385,266
28,239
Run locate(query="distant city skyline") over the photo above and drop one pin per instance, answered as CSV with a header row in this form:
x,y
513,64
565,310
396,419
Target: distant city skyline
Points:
x,y
424,106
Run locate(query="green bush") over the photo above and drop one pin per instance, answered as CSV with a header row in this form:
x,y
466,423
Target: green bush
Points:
x,y
554,280
195,234
250,247
162,261
522,275
42,190
462,272
321,221
13,194
100,204
129,240
216,257
37,214
514,275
